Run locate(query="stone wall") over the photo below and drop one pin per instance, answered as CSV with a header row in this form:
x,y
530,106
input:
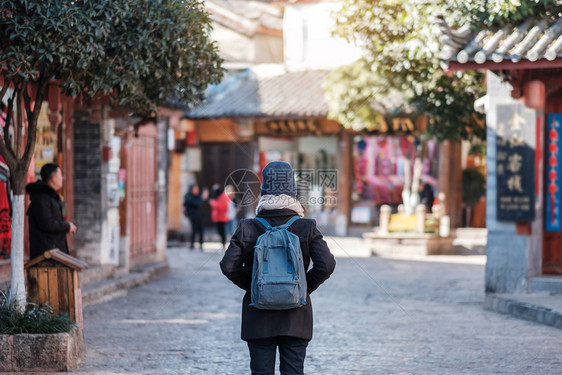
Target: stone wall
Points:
x,y
87,187
42,352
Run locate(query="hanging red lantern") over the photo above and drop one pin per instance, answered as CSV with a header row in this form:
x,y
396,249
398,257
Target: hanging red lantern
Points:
x,y
535,94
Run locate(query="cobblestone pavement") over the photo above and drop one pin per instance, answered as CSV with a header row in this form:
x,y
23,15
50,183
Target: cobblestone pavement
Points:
x,y
374,316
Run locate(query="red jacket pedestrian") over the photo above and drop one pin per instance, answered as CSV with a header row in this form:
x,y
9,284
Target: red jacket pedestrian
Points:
x,y
219,213
219,208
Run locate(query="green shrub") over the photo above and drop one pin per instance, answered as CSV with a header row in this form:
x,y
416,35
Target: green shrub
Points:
x,y
35,319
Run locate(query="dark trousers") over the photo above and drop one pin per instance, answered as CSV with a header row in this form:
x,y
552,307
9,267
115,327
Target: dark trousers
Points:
x,y
221,228
292,352
196,228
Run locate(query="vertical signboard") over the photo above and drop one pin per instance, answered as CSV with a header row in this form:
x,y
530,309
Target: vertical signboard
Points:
x,y
515,163
553,173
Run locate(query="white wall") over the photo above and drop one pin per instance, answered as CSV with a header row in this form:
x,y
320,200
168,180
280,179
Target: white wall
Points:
x,y
237,47
308,40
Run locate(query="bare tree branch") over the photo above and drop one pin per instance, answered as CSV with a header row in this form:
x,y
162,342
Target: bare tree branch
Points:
x,y
5,148
19,124
9,122
27,101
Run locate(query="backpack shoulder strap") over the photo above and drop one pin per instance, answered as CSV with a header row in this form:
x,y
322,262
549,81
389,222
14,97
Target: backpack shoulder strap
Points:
x,y
292,220
264,223
288,223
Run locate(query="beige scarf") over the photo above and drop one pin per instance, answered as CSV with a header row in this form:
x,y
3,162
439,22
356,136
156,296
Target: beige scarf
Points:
x,y
276,202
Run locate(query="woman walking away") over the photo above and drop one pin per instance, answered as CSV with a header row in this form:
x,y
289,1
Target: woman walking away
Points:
x,y
219,212
192,203
266,330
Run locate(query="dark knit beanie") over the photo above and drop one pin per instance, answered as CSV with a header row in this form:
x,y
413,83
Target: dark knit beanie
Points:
x,y
278,178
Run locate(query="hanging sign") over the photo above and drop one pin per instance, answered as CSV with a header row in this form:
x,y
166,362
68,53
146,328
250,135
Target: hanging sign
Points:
x,y
515,163
553,173
294,127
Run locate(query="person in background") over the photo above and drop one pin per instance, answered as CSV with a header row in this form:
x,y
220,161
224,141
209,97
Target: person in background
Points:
x,y
193,209
232,210
427,197
47,228
219,211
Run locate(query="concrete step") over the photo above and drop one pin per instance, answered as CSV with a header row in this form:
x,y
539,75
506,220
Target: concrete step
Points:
x,y
552,284
543,308
408,244
117,286
155,269
97,273
471,233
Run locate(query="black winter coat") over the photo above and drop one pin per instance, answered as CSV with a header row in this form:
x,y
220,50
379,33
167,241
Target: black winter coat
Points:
x,y
237,265
193,205
47,228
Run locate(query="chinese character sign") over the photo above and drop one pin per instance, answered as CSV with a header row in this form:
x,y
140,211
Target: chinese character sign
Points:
x,y
553,173
515,163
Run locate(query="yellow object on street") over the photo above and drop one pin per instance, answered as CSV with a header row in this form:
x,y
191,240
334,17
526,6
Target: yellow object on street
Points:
x,y
402,223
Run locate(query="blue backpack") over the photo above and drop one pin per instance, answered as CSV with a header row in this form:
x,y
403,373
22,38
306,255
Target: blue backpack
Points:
x,y
278,275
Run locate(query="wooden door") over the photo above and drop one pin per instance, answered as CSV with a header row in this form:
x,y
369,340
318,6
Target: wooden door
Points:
x,y
141,191
219,160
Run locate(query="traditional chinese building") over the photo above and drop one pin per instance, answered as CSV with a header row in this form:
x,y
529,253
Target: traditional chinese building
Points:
x,y
523,105
269,111
247,32
265,114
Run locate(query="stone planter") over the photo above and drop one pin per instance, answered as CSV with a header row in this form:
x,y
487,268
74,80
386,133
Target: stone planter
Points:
x,y
42,352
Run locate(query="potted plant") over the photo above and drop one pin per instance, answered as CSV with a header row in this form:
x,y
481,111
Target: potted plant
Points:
x,y
37,340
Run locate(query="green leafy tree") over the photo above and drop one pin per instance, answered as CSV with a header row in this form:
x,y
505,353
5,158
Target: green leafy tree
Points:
x,y
493,13
139,54
400,39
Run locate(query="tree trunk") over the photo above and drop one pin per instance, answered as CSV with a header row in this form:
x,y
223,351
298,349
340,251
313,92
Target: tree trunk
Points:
x,y
415,195
407,186
17,286
450,181
17,157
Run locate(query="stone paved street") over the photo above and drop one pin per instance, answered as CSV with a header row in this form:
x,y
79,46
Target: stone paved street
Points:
x,y
374,316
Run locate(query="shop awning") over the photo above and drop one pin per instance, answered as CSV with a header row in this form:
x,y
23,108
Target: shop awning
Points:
x,y
535,43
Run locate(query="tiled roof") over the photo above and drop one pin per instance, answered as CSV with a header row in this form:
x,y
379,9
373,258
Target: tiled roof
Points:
x,y
246,16
250,93
531,40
